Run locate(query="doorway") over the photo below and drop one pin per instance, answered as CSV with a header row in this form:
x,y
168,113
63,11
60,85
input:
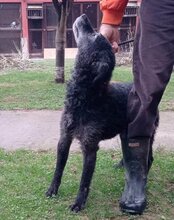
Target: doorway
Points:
x,y
35,38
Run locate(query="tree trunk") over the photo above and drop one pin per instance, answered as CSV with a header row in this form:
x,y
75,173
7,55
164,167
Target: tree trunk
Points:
x,y
60,55
62,8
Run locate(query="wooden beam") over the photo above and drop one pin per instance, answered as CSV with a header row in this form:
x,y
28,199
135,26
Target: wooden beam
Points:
x,y
40,1
10,1
47,1
26,1
24,20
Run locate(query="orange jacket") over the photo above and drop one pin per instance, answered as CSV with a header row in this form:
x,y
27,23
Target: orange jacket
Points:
x,y
113,11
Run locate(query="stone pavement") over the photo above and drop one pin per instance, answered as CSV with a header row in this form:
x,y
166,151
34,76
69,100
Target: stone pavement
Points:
x,y
39,130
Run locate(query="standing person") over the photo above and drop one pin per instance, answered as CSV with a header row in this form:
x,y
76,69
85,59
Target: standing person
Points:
x,y
153,60
113,11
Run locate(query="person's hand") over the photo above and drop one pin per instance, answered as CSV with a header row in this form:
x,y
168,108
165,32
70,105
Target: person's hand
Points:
x,y
114,47
103,4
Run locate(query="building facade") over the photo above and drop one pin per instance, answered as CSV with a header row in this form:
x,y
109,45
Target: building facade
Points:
x,y
29,26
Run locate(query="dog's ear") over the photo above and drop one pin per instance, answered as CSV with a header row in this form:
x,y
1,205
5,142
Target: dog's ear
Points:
x,y
103,74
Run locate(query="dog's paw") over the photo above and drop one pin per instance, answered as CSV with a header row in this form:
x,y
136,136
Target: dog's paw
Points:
x,y
76,207
51,192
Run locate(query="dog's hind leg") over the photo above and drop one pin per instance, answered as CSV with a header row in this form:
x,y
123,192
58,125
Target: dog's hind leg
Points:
x,y
150,158
120,164
89,161
62,156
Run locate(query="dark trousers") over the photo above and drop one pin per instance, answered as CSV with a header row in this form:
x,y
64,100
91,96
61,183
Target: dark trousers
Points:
x,y
153,60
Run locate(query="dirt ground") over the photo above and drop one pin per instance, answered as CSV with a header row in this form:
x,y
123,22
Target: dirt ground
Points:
x,y
39,130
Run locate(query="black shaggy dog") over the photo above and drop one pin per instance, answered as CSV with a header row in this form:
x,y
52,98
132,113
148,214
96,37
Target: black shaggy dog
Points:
x,y
94,109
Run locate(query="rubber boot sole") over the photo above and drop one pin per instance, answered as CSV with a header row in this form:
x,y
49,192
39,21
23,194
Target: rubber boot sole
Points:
x,y
133,209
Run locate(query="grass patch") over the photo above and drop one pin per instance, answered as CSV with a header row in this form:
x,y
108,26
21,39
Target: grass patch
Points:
x,y
25,176
32,89
35,88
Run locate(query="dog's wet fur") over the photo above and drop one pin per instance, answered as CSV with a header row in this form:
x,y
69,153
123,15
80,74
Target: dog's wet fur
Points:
x,y
94,110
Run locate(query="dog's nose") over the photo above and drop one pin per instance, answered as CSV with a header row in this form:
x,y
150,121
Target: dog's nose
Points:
x,y
84,16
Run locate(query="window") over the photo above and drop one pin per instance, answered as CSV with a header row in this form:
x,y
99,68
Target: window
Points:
x,y
35,11
10,28
10,16
51,16
128,25
51,39
10,42
35,24
90,9
131,11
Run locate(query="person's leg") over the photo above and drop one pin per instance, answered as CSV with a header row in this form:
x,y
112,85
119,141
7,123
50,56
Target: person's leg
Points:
x,y
152,66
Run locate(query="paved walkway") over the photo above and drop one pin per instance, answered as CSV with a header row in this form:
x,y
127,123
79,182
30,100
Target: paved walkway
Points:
x,y
39,130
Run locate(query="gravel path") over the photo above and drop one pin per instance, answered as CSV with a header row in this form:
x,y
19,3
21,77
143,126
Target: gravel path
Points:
x,y
39,130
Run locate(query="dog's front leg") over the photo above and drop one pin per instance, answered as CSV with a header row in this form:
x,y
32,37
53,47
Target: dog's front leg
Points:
x,y
89,161
62,156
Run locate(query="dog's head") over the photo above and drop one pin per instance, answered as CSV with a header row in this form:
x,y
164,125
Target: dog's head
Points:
x,y
94,51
